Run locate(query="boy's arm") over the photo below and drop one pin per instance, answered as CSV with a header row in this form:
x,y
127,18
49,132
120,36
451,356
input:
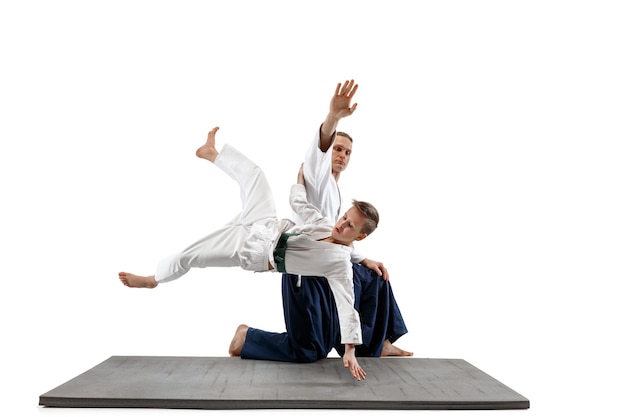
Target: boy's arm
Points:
x,y
301,206
349,320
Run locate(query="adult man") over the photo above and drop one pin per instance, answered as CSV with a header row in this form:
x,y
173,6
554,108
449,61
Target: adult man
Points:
x,y
311,319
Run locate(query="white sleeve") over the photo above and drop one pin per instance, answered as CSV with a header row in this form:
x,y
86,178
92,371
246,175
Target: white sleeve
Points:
x,y
321,187
349,320
305,210
317,168
356,256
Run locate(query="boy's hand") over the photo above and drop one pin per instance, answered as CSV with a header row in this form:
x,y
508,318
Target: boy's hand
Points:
x,y
350,362
377,267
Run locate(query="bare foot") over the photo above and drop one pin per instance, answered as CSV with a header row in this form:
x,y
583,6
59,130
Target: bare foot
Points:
x,y
208,151
391,350
238,340
137,281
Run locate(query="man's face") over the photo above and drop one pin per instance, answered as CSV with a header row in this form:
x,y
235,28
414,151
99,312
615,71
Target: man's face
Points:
x,y
342,149
348,228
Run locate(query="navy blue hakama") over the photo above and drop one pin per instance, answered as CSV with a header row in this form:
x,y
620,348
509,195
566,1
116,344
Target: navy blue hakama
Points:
x,y
312,322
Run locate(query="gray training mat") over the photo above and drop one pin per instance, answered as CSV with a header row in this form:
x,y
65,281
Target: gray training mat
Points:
x,y
235,383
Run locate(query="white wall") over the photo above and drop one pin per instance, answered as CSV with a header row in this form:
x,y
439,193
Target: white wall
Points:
x,y
490,135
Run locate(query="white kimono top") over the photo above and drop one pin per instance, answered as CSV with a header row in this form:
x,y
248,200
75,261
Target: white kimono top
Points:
x,y
322,190
305,255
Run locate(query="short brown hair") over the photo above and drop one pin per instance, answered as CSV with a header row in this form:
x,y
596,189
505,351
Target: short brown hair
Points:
x,y
344,134
371,216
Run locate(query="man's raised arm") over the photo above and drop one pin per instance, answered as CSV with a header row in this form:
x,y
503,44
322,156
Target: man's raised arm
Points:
x,y
339,108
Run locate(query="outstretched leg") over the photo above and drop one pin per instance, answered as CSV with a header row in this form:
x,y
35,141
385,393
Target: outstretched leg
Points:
x,y
257,200
224,247
137,281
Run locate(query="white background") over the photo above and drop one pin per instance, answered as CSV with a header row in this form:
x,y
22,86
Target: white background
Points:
x,y
490,135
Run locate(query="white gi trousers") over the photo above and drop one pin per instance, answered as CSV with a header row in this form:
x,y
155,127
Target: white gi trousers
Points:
x,y
247,240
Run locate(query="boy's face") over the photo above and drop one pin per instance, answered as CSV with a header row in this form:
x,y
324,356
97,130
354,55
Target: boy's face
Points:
x,y
348,228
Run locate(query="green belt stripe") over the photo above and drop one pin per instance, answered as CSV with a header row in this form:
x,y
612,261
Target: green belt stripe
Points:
x,y
279,251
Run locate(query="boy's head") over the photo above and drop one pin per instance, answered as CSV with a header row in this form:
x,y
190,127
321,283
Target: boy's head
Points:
x,y
358,222
371,216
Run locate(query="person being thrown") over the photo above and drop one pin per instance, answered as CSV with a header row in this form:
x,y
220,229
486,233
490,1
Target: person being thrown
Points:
x,y
256,240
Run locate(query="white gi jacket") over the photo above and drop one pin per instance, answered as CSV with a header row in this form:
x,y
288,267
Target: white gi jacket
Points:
x,y
306,255
322,190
